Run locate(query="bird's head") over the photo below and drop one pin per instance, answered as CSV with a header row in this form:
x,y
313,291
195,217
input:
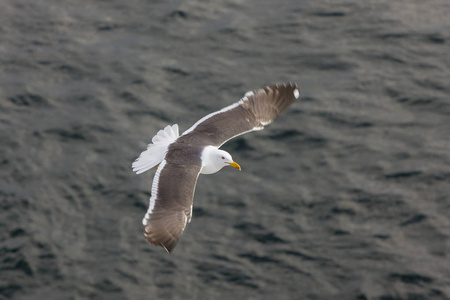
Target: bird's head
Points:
x,y
224,158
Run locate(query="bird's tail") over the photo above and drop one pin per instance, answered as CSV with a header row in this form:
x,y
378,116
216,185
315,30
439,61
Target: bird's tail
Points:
x,y
156,150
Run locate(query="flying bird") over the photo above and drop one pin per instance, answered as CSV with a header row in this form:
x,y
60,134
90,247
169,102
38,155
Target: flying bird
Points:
x,y
182,158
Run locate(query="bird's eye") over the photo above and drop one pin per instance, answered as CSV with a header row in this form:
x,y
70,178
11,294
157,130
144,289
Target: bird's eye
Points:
x,y
223,157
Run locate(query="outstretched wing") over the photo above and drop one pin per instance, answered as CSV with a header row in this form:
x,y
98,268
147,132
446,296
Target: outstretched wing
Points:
x,y
248,114
172,197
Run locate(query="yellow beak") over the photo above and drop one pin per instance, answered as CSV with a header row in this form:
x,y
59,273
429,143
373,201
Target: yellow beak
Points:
x,y
233,164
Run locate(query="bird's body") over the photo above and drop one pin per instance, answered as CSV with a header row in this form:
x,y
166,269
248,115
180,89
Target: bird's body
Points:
x,y
182,158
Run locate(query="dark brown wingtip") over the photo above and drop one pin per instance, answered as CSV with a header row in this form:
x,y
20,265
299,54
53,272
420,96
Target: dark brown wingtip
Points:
x,y
295,90
166,241
277,98
293,87
165,248
167,245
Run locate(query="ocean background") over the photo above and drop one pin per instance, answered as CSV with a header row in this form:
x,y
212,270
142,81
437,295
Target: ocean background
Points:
x,y
345,196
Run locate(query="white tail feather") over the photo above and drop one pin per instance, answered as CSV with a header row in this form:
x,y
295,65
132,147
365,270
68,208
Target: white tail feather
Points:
x,y
156,150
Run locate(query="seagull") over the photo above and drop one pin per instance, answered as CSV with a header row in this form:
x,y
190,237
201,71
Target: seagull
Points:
x,y
182,158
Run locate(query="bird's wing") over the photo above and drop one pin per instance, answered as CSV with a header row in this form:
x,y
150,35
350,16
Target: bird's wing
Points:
x,y
248,114
172,197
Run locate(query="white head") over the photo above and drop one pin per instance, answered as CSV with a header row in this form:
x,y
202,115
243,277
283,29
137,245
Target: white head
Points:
x,y
215,159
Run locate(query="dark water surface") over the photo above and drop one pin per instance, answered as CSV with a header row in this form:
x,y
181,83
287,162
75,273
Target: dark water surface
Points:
x,y
346,196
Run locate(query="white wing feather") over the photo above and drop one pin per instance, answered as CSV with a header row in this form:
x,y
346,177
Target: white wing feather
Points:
x,y
156,150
